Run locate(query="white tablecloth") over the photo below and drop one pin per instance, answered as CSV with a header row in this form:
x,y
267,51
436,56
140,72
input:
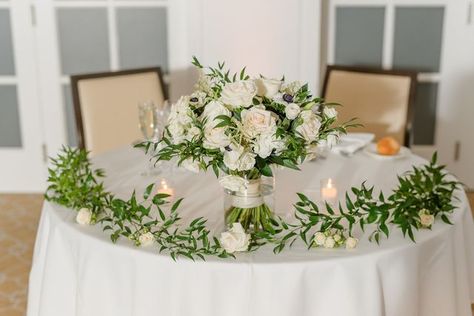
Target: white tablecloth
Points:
x,y
78,271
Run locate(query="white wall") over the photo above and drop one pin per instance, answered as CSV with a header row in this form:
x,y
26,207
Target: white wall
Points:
x,y
270,37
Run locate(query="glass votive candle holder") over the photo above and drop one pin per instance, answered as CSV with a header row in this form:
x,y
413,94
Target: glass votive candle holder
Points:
x,y
329,190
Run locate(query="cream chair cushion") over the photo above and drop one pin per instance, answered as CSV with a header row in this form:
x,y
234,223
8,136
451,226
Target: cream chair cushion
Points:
x,y
109,108
379,101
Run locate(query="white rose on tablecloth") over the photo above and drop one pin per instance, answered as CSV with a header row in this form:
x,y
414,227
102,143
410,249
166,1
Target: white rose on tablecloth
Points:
x,y
292,110
330,112
256,121
351,242
329,242
319,238
426,219
233,183
212,110
267,87
215,138
247,161
84,216
193,133
191,165
239,93
235,239
146,239
309,127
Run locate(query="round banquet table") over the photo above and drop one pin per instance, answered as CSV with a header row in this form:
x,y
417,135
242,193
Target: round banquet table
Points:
x,y
78,271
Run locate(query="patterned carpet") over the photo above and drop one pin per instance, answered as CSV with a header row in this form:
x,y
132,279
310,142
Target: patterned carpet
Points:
x,y
19,215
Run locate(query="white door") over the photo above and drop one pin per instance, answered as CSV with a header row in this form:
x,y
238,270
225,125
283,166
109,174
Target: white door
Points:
x,y
455,130
22,165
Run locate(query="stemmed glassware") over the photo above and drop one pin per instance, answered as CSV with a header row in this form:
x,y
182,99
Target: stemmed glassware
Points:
x,y
152,120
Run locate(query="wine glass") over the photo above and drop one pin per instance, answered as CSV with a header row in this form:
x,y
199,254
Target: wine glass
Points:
x,y
152,120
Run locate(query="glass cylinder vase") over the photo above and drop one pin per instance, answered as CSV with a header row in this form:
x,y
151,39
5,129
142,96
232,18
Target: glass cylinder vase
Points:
x,y
251,206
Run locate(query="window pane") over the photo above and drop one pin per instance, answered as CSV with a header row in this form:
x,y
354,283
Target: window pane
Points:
x,y
83,40
417,39
70,116
425,113
142,37
7,66
10,131
359,36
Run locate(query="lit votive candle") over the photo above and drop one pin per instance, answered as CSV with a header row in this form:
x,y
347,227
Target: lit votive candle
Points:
x,y
328,189
165,188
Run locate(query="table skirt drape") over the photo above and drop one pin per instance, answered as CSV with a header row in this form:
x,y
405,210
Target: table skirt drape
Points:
x,y
77,271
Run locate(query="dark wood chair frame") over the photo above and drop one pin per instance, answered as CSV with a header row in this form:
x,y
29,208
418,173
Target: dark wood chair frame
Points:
x,y
77,102
408,138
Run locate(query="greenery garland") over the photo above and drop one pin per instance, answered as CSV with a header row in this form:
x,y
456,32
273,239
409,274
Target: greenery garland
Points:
x,y
424,192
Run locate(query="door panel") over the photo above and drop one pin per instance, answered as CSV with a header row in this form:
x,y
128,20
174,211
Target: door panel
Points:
x,y
21,159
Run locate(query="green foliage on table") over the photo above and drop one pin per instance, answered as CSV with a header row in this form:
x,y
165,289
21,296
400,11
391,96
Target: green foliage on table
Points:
x,y
75,184
425,187
131,219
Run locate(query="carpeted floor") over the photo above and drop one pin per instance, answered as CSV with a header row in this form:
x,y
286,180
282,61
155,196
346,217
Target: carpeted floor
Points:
x,y
19,215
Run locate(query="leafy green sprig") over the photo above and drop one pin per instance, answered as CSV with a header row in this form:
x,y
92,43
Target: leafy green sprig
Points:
x,y
74,184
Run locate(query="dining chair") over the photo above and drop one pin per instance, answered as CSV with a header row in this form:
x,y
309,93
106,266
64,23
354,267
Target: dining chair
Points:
x,y
381,100
106,106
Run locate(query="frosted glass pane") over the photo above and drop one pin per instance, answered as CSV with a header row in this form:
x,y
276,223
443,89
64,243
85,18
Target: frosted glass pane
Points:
x,y
7,65
142,37
10,131
425,113
70,116
418,37
83,40
359,36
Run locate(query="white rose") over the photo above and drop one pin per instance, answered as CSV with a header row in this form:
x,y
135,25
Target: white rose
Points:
x,y
247,162
193,133
191,165
235,239
215,138
337,237
292,110
205,83
212,110
351,242
256,121
426,219
264,145
146,239
233,183
330,112
232,155
319,238
267,87
239,93
84,216
329,242
309,128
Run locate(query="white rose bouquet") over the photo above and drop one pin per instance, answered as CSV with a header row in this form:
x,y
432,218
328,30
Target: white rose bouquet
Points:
x,y
241,126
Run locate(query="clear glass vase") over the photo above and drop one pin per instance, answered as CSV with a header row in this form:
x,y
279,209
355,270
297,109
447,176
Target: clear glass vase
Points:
x,y
253,206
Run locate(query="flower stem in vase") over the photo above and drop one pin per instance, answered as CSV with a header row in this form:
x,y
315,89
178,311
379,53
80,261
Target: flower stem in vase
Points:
x,y
251,207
